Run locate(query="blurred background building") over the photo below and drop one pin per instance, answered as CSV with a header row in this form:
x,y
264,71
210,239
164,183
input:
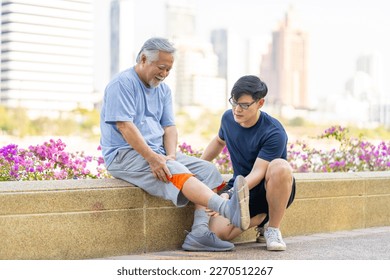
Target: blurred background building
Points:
x,y
285,65
47,56
122,26
57,56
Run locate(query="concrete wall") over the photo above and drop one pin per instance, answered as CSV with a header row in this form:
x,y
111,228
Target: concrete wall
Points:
x,y
81,219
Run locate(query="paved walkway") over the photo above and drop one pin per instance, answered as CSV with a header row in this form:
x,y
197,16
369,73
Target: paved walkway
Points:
x,y
360,244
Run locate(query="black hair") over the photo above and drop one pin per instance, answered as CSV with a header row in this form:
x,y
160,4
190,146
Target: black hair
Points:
x,y
250,85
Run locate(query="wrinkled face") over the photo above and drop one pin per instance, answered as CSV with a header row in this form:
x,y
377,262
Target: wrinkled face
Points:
x,y
246,117
153,73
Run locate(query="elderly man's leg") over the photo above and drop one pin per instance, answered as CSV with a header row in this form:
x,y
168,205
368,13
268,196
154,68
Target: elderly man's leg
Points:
x,y
278,186
236,209
199,189
201,238
235,212
226,231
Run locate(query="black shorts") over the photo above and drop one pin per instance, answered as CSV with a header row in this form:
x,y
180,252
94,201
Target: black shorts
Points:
x,y
258,202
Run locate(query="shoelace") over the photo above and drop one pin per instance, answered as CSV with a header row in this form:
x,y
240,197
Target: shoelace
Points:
x,y
207,233
274,236
212,235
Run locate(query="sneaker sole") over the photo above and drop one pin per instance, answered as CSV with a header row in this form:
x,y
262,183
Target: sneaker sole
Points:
x,y
271,248
261,240
196,249
243,200
201,248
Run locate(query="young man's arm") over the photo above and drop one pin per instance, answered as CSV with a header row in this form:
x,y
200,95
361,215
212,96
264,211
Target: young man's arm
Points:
x,y
257,173
213,149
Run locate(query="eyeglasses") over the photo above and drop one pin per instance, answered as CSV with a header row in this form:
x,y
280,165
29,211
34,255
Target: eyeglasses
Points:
x,y
244,106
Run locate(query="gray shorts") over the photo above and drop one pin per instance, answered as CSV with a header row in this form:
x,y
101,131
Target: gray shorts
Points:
x,y
130,166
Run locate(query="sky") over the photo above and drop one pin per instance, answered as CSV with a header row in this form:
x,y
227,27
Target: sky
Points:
x,y
339,31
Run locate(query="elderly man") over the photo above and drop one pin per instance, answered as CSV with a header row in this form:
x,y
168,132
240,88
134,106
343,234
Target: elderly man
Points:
x,y
139,145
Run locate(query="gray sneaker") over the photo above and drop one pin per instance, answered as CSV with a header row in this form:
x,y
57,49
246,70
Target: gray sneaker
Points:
x,y
260,234
239,204
208,242
274,239
260,229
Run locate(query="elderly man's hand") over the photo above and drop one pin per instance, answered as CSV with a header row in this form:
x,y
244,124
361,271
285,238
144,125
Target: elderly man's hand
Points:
x,y
159,167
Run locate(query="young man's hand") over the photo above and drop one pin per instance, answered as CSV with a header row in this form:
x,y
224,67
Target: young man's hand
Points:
x,y
212,213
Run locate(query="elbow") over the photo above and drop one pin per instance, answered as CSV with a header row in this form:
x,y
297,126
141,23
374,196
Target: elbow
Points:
x,y
171,130
121,126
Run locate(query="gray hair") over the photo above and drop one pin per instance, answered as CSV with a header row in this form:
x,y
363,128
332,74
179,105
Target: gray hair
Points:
x,y
153,46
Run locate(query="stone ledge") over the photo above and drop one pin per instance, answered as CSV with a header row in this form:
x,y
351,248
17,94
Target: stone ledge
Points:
x,y
81,219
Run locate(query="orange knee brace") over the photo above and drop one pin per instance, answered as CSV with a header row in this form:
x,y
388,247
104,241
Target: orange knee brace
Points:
x,y
178,180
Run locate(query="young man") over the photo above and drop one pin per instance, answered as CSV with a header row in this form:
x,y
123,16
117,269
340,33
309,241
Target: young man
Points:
x,y
257,145
139,143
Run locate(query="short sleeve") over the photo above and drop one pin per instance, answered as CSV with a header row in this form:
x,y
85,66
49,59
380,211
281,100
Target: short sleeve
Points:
x,y
120,102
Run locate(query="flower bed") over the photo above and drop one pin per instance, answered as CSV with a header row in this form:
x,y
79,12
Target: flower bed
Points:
x,y
349,155
50,161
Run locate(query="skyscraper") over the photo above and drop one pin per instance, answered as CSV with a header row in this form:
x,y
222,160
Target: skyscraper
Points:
x,y
47,55
180,19
194,78
232,61
122,27
197,83
371,64
366,87
284,67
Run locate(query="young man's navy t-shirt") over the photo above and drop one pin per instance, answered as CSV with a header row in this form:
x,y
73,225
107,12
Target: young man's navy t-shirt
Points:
x,y
267,140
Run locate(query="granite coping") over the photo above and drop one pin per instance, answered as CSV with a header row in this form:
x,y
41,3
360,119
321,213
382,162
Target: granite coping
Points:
x,y
56,185
20,186
92,218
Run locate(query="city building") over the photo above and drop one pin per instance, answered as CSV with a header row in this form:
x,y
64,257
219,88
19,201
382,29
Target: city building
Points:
x,y
366,88
285,66
47,56
194,78
197,82
363,101
232,53
180,19
122,27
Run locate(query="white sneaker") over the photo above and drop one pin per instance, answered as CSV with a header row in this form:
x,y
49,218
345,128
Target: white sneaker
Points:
x,y
274,240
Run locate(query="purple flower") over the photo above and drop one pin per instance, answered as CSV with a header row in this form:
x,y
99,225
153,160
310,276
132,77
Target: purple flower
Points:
x,y
48,161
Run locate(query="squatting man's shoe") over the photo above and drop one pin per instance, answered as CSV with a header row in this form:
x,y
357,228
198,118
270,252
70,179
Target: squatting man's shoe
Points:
x,y
260,229
260,234
274,239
